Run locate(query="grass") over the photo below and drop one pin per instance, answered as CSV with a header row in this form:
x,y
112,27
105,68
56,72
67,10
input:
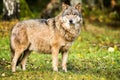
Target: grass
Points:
x,y
89,58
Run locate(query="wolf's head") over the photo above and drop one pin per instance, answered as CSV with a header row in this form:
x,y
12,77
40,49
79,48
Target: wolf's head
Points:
x,y
71,16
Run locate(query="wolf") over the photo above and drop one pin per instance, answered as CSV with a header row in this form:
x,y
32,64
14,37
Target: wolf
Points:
x,y
53,35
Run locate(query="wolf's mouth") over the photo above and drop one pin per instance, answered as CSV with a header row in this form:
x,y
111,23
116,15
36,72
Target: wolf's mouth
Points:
x,y
72,24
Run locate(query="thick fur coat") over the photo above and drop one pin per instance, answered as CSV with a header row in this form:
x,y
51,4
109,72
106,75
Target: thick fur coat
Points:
x,y
52,35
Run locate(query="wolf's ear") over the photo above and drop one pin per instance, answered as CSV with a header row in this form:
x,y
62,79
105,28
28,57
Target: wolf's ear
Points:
x,y
78,7
64,6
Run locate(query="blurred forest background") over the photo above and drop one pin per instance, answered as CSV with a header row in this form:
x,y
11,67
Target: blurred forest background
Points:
x,y
103,11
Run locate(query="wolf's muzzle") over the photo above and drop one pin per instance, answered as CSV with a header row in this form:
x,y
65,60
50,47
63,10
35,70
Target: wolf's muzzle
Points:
x,y
71,21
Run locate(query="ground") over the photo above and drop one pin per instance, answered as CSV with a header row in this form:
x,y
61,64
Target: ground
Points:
x,y
95,55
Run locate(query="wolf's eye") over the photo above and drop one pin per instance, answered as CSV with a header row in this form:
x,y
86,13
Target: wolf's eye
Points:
x,y
68,14
74,13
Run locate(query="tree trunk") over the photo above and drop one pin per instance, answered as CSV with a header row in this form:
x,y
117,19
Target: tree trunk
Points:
x,y
75,2
11,9
51,9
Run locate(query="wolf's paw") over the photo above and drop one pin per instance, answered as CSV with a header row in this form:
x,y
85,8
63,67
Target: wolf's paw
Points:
x,y
64,69
55,69
13,70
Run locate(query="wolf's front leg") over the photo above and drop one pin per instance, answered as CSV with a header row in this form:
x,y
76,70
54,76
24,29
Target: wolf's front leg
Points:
x,y
64,61
55,52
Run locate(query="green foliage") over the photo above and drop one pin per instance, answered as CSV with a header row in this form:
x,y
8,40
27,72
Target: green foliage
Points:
x,y
25,12
31,8
37,6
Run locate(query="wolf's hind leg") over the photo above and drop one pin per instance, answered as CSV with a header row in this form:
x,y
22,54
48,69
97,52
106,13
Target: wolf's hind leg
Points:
x,y
24,59
15,59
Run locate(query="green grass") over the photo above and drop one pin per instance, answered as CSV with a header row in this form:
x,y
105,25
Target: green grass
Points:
x,y
89,59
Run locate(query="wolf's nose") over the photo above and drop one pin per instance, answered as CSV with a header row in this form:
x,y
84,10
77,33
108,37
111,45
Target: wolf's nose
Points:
x,y
71,21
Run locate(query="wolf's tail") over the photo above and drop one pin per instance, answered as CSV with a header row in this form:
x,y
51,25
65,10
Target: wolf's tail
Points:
x,y
12,52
